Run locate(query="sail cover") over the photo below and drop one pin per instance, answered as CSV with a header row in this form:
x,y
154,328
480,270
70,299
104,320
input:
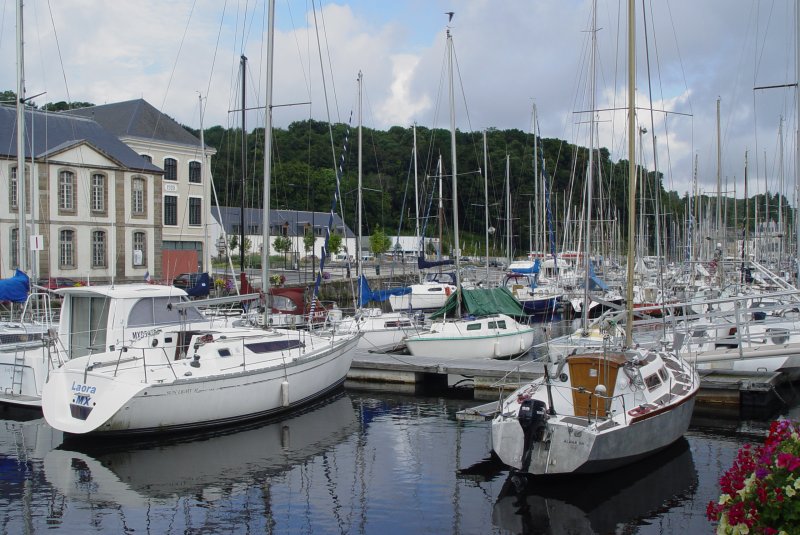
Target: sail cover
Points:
x,y
366,295
16,288
482,302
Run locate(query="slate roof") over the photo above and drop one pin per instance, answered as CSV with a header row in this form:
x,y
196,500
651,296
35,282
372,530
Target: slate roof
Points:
x,y
296,220
138,119
54,132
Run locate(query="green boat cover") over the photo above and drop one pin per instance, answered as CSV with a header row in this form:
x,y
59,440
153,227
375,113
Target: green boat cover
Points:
x,y
481,302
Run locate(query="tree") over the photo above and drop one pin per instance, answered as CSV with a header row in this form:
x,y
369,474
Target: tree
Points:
x,y
335,243
379,242
308,240
282,244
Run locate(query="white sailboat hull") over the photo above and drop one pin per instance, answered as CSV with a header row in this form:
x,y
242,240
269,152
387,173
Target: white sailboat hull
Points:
x,y
79,400
596,412
456,339
576,448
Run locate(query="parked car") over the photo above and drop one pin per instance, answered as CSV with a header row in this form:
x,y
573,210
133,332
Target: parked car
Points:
x,y
185,281
54,283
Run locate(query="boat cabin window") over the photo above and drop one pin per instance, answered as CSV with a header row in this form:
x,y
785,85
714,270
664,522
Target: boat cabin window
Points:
x,y
157,311
497,324
283,304
435,289
474,326
699,332
88,323
663,374
652,381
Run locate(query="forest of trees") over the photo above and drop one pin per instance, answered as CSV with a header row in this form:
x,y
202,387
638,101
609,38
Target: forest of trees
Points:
x,y
304,175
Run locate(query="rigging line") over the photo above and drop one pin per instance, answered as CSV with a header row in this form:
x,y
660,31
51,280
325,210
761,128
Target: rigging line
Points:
x,y
297,44
373,145
330,64
214,56
174,67
58,48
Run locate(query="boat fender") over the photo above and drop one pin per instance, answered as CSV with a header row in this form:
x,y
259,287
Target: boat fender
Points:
x,y
447,291
285,393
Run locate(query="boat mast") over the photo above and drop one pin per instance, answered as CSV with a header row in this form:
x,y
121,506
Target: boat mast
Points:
x,y
797,146
456,243
631,168
360,79
486,199
589,176
243,63
416,183
509,245
22,249
265,223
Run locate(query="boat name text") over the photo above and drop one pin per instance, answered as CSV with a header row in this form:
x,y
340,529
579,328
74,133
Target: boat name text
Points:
x,y
138,335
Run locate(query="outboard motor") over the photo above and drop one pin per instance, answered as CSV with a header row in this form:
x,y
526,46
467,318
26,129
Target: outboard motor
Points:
x,y
532,417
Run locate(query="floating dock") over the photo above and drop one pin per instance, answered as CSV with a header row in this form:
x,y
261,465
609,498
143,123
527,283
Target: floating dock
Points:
x,y
487,377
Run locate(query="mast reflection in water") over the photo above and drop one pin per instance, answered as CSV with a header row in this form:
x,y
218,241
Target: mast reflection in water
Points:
x,y
359,463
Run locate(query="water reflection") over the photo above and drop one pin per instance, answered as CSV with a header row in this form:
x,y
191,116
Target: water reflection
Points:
x,y
206,466
598,503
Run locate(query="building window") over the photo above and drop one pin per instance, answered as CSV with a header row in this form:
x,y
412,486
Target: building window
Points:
x,y
195,211
98,248
12,189
170,169
98,193
14,248
170,210
139,243
195,172
66,191
147,158
137,196
66,248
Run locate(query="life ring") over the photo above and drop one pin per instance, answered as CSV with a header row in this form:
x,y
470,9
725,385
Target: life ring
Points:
x,y
447,291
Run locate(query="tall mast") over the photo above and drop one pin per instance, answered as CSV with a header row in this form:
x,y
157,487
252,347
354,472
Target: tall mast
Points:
x,y
719,176
631,167
360,175
486,199
22,239
797,145
204,181
509,237
590,175
243,63
265,223
416,181
456,242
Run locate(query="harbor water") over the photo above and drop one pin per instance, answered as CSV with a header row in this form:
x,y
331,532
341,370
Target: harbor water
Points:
x,y
361,462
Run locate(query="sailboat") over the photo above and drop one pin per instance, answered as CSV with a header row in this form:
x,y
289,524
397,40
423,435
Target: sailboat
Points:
x,y
492,335
24,341
378,329
155,371
599,409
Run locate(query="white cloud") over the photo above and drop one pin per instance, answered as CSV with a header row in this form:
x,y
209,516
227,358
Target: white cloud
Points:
x,y
509,54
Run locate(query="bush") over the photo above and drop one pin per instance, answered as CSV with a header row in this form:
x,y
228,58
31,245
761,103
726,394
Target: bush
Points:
x,y
759,492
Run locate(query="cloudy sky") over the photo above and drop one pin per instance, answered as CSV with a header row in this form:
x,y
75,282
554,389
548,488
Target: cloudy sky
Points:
x,y
510,54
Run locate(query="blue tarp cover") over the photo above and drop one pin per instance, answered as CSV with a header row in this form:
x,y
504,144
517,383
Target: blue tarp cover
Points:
x,y
596,282
528,270
202,286
16,288
366,295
